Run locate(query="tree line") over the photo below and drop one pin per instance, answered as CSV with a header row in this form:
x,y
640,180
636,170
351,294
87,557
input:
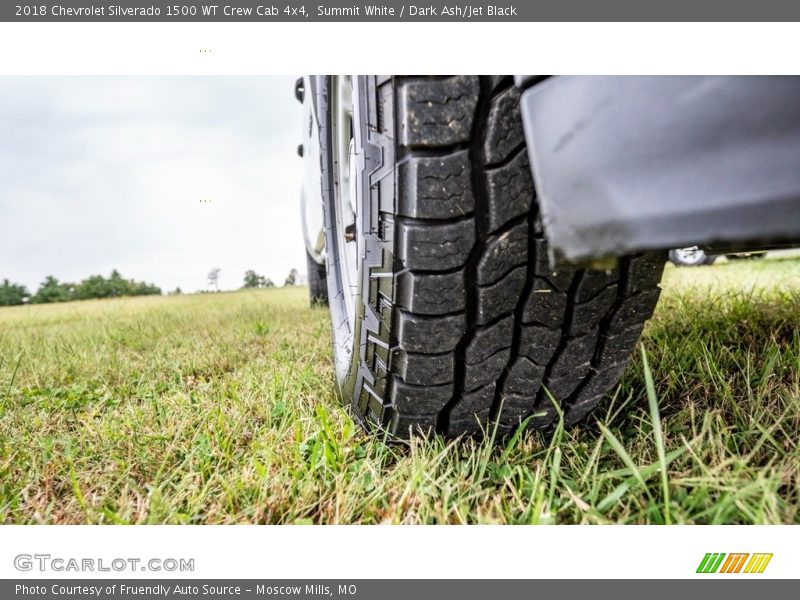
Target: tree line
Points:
x,y
115,286
96,286
254,280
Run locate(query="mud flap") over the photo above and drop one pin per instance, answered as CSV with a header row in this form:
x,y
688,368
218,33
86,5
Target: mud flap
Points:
x,y
625,164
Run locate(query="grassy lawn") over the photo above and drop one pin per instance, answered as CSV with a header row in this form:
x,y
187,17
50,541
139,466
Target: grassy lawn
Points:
x,y
219,408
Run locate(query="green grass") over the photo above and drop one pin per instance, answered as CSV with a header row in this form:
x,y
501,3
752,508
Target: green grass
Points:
x,y
219,408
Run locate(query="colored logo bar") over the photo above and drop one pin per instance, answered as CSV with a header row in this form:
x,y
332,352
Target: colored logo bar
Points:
x,y
719,562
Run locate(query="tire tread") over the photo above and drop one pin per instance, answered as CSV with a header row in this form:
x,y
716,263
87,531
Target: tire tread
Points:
x,y
483,331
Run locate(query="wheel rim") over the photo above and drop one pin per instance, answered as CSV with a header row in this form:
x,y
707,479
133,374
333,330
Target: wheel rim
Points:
x,y
690,256
345,206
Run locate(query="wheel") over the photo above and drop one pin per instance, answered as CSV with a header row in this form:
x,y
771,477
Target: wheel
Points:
x,y
690,257
446,315
317,281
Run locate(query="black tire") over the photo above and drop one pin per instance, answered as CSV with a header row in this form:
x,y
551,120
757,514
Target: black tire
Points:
x,y
460,322
317,282
695,257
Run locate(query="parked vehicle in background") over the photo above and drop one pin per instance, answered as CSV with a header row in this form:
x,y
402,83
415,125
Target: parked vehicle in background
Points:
x,y
690,257
697,257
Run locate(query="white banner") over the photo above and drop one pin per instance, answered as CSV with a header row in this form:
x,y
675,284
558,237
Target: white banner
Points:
x,y
474,552
302,48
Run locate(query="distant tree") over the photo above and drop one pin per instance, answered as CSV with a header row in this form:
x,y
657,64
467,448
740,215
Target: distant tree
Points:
x,y
140,288
176,292
117,286
292,278
268,282
50,290
12,294
94,286
254,280
213,277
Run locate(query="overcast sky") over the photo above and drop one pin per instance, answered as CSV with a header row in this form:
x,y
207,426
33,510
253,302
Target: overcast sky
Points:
x,y
102,173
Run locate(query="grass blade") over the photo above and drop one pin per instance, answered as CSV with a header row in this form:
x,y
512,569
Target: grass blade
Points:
x,y
655,418
634,480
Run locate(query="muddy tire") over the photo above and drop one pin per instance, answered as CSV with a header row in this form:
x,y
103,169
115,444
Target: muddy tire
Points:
x,y
457,322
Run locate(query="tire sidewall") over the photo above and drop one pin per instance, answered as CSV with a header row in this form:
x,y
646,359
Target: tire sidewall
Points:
x,y
355,346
